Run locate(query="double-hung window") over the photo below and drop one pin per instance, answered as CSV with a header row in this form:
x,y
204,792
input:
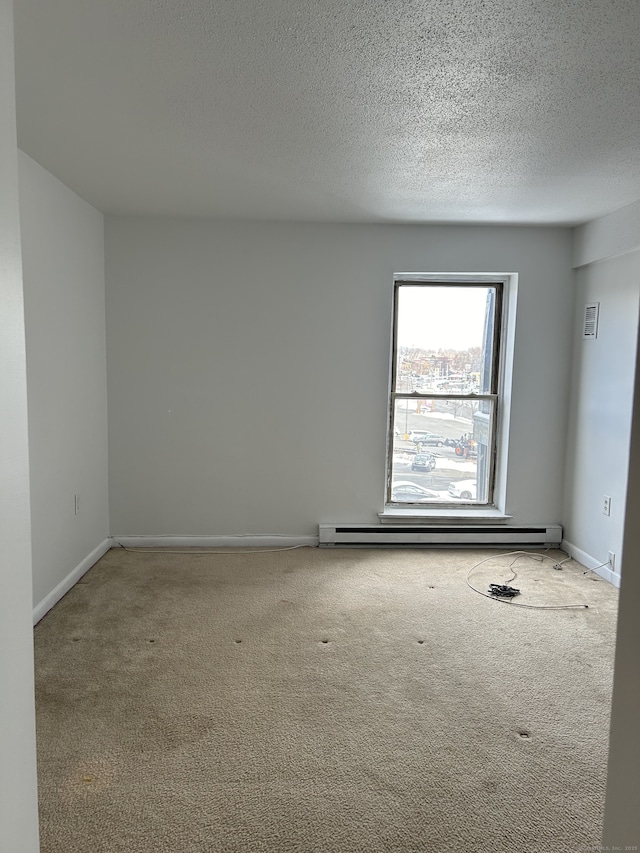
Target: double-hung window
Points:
x,y
445,393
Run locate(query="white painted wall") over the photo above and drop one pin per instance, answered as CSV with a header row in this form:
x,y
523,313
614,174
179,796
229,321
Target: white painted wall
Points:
x,y
622,809
248,368
605,411
610,235
18,795
600,411
63,262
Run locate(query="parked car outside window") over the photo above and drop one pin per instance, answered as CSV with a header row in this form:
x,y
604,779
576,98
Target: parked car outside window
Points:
x,y
424,462
465,490
431,438
407,492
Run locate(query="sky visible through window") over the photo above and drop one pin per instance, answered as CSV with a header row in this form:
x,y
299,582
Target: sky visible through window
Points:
x,y
447,318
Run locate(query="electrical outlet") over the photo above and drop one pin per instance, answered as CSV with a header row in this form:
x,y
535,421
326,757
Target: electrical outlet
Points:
x,y
606,505
77,504
612,560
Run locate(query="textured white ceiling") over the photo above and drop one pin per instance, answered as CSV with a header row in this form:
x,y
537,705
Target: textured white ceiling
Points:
x,y
346,110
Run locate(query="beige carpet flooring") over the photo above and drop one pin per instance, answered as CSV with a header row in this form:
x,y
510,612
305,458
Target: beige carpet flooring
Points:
x,y
323,701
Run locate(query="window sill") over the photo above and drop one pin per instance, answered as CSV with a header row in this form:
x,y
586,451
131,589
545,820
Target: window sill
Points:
x,y
391,515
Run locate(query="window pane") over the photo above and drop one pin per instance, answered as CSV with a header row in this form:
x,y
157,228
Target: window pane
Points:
x,y
441,450
445,339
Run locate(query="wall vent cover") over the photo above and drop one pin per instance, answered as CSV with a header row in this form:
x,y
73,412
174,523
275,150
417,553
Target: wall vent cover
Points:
x,y
590,328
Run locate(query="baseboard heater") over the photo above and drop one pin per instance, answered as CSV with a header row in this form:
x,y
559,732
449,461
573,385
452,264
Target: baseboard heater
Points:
x,y
366,536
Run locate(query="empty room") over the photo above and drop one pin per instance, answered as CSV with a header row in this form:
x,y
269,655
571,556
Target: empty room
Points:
x,y
319,426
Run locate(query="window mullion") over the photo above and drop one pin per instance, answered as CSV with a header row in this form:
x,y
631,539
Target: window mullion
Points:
x,y
400,395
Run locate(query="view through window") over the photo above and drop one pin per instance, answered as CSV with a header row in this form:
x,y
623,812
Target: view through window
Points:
x,y
444,392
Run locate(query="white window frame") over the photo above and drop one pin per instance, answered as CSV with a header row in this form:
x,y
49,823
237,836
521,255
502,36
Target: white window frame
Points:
x,y
505,322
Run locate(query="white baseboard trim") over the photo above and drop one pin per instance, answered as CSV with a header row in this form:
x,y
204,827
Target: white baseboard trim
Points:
x,y
247,540
71,579
590,563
